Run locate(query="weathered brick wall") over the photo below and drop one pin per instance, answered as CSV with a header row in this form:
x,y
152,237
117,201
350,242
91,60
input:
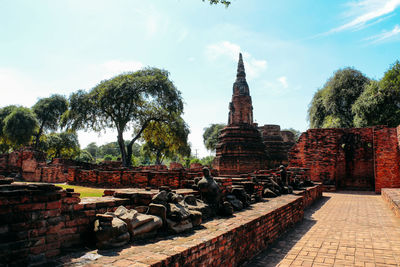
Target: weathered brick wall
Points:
x,y
310,195
38,221
387,158
130,178
343,157
241,241
24,161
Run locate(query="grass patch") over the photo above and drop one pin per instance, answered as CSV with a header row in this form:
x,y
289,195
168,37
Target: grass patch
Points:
x,y
85,191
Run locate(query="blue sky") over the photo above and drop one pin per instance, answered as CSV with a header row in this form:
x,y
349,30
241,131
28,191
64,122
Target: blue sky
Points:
x,y
290,48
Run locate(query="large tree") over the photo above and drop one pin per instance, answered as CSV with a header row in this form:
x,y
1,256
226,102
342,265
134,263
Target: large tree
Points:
x,y
48,113
92,149
4,112
379,104
331,106
127,101
62,145
210,135
166,140
19,126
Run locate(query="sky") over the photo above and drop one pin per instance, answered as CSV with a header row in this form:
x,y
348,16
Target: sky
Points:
x,y
290,49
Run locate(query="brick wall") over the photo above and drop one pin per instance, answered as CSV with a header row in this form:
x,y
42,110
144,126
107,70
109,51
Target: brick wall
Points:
x,y
38,221
387,158
241,241
343,157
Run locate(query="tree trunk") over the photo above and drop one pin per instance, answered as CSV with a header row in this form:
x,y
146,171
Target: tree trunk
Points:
x,y
38,137
158,158
129,154
121,144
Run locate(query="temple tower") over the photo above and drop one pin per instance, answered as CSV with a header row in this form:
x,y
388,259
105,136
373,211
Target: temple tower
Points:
x,y
240,148
241,108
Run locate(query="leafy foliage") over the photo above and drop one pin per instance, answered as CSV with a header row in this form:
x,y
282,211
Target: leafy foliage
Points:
x,y
207,161
62,145
48,113
92,149
331,106
166,140
19,126
4,112
210,135
379,104
214,2
84,156
127,101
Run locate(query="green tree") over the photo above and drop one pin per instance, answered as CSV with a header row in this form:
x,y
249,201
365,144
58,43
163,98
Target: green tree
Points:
x,y
84,156
48,113
332,105
210,135
379,104
111,148
4,112
214,2
19,126
207,161
62,145
92,149
127,101
166,140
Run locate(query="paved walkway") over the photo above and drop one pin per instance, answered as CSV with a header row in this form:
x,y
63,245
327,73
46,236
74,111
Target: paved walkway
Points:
x,y
344,229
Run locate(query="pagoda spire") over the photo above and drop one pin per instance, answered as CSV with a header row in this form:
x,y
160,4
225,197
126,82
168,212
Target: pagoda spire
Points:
x,y
240,68
240,87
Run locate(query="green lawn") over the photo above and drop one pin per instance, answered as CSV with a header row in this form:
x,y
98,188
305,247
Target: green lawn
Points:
x,y
85,191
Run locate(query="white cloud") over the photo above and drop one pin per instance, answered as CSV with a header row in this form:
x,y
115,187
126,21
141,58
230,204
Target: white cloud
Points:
x,y
229,50
283,81
387,35
277,87
365,12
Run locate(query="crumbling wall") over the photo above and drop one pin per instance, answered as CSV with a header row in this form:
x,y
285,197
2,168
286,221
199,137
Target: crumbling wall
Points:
x,y
38,221
355,158
387,158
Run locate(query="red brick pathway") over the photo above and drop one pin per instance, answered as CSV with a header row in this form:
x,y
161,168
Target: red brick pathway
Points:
x,y
346,229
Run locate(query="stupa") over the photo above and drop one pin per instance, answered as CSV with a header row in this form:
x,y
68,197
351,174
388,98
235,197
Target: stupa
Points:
x,y
240,148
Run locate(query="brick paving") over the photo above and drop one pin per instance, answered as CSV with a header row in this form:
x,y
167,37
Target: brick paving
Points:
x,y
343,229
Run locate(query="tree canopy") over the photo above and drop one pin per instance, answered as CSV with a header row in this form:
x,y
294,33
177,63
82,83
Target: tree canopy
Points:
x,y
128,101
210,135
214,2
379,104
62,145
166,140
18,126
331,106
4,112
48,113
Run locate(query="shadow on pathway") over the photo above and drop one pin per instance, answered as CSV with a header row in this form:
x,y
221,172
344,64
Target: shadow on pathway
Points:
x,y
277,251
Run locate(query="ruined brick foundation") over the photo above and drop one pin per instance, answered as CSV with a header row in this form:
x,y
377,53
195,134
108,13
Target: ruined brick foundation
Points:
x,y
353,158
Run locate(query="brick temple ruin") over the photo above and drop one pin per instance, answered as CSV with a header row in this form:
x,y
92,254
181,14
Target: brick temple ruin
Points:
x,y
40,222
